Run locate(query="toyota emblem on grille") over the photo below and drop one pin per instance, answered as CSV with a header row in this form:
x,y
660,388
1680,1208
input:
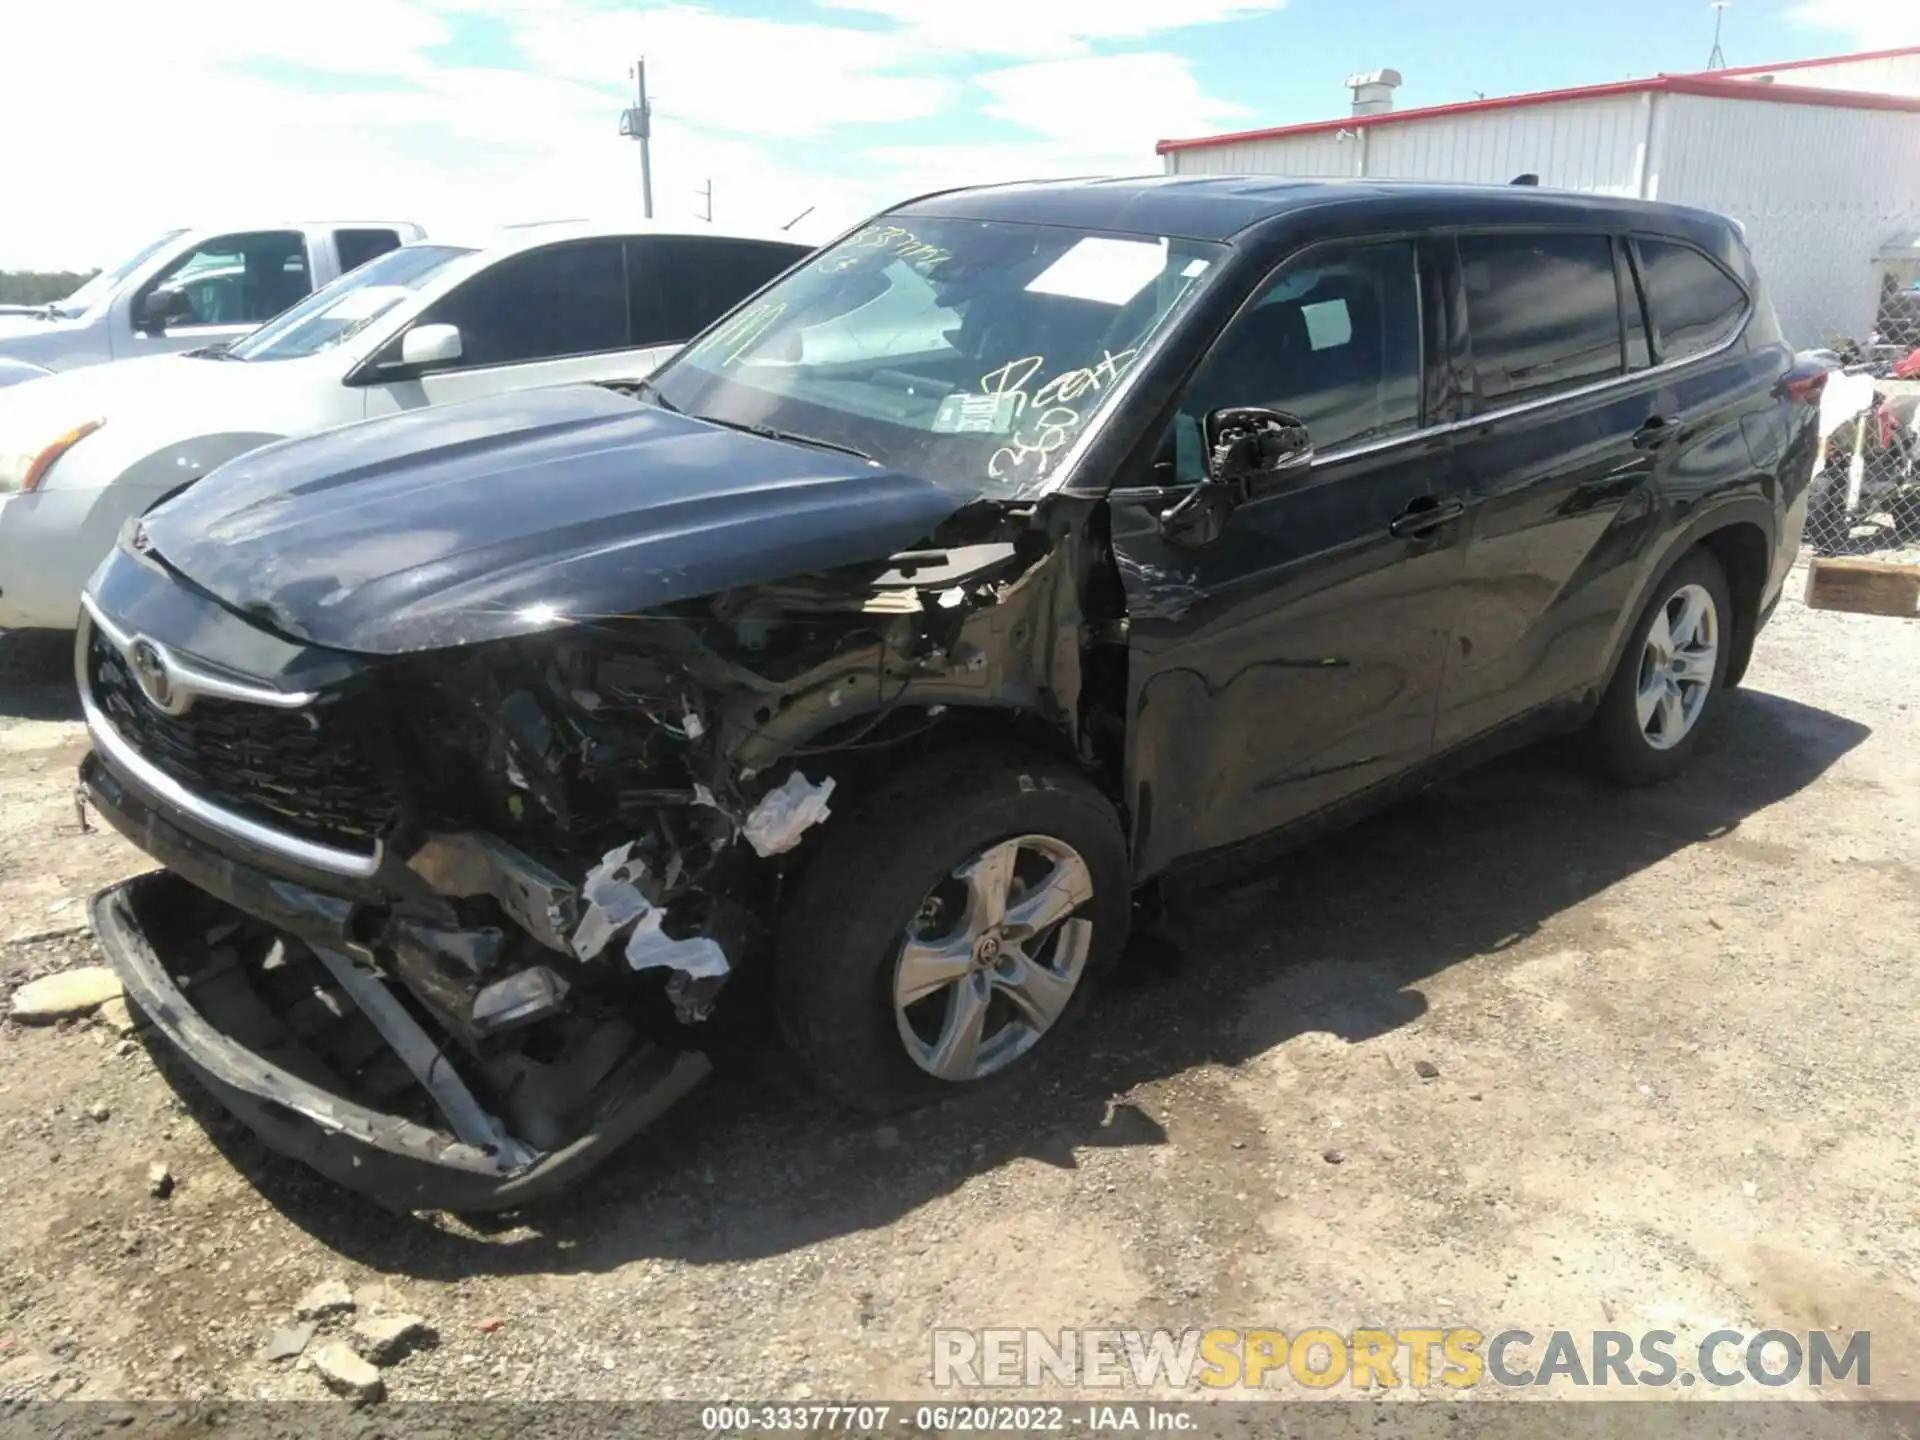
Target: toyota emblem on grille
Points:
x,y
155,675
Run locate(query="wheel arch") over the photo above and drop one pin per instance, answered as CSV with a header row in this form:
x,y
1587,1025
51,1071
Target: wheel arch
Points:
x,y
1745,556
172,467
1016,730
1740,534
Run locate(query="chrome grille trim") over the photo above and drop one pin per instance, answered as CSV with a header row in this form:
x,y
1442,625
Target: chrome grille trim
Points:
x,y
215,817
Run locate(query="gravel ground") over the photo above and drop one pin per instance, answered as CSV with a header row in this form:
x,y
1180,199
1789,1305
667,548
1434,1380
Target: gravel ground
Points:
x,y
1671,1036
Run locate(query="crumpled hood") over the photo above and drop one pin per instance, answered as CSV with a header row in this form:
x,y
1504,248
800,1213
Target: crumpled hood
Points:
x,y
481,520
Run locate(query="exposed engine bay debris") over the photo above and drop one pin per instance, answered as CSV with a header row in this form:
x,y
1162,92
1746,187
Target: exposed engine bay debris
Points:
x,y
613,900
582,834
777,822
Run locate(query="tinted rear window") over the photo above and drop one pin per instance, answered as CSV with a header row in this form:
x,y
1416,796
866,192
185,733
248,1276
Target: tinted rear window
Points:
x,y
698,280
1696,305
1543,311
356,247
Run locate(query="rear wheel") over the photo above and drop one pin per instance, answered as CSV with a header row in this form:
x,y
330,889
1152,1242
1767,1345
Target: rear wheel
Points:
x,y
951,928
1670,675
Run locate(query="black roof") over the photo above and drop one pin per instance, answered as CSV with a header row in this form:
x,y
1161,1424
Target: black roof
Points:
x,y
1220,207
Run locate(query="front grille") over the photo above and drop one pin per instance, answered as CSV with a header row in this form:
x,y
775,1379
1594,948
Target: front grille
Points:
x,y
300,771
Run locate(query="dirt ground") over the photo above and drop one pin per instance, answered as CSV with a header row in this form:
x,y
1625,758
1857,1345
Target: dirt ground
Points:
x,y
1674,1032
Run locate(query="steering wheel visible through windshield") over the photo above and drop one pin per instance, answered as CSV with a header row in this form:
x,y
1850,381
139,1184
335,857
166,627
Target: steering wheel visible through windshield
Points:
x,y
973,353
338,311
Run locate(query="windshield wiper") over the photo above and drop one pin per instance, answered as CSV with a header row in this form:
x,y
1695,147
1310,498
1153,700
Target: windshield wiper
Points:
x,y
647,390
768,432
640,390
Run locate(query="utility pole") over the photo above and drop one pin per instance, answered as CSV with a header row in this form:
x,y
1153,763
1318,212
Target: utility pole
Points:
x,y
706,193
636,123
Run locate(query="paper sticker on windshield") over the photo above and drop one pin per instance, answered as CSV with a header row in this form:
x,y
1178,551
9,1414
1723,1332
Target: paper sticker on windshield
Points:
x,y
965,414
367,302
1104,270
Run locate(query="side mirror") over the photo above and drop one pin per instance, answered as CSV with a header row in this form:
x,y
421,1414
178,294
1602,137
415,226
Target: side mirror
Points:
x,y
429,345
160,307
1252,451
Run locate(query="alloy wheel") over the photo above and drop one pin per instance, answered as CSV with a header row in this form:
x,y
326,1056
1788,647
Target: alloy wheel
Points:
x,y
1677,666
993,957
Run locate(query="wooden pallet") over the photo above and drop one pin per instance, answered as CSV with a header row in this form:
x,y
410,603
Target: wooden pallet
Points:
x,y
1866,587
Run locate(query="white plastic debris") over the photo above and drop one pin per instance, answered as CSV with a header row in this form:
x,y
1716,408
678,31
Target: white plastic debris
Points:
x,y
785,813
613,898
649,948
614,901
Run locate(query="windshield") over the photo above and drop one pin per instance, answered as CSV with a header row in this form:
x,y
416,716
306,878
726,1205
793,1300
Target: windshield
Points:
x,y
969,352
338,311
107,281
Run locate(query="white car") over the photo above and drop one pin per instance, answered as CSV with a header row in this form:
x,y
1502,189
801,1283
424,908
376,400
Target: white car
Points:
x,y
187,289
83,452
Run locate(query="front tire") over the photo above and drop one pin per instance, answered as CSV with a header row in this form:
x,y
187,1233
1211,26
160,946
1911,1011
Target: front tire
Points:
x,y
1670,675
950,927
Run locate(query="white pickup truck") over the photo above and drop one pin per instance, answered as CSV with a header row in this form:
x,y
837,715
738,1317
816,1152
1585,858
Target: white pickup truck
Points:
x,y
186,290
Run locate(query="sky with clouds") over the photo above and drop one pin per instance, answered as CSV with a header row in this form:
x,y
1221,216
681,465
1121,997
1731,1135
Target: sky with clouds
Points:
x,y
118,119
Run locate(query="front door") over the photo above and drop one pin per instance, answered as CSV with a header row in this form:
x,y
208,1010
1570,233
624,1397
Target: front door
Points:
x,y
1297,659
221,289
549,316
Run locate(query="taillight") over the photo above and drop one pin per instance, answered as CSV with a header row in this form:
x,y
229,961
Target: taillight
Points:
x,y
1805,387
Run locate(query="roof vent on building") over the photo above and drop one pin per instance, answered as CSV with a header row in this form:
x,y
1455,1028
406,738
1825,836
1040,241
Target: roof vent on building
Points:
x,y
1373,91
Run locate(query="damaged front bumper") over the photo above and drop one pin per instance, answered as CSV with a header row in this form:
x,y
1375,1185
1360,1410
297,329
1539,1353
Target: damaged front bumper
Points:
x,y
316,1053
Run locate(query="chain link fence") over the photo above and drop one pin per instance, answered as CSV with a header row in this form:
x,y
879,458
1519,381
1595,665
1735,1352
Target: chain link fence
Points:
x,y
1866,490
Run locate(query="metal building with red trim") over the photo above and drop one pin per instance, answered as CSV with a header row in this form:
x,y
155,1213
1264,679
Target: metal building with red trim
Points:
x,y
1818,159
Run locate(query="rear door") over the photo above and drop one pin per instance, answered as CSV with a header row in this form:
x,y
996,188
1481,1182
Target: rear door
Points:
x,y
1296,660
1708,386
1556,467
683,283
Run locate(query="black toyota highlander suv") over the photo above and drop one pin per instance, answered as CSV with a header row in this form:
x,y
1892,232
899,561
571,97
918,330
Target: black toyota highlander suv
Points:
x,y
1027,548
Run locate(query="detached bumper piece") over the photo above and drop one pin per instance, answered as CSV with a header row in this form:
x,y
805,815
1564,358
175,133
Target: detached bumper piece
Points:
x,y
325,1061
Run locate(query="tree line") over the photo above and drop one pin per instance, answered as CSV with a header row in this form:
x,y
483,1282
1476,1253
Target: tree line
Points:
x,y
37,287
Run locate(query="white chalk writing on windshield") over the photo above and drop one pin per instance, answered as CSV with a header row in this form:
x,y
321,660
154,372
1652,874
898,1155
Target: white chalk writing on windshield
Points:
x,y
897,241
738,334
1048,417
